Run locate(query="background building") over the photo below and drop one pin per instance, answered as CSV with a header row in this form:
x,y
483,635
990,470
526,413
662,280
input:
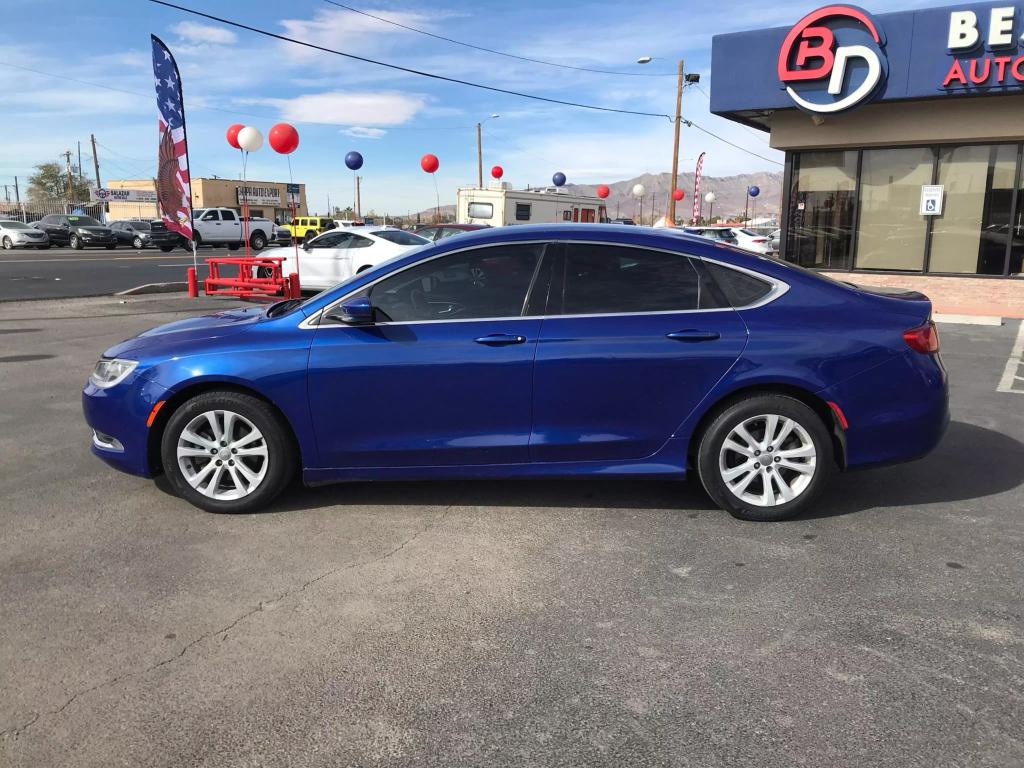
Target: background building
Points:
x,y
903,135
269,199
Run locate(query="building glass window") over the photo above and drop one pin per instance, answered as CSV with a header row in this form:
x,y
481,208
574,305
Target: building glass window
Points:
x,y
892,232
970,235
822,209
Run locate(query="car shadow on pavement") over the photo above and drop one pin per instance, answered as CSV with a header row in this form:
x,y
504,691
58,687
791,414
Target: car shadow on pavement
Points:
x,y
971,462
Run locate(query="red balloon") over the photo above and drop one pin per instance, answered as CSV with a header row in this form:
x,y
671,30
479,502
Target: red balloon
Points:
x,y
430,163
283,138
497,171
603,191
678,194
233,135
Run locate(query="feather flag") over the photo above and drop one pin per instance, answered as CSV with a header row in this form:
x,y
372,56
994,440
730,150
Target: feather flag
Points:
x,y
696,189
173,188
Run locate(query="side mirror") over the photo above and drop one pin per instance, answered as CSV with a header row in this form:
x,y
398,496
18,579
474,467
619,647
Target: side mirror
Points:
x,y
356,312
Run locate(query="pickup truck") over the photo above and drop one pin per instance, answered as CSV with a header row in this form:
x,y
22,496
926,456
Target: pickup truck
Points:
x,y
223,226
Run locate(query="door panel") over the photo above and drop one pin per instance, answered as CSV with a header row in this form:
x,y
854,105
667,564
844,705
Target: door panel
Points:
x,y
422,394
444,376
616,386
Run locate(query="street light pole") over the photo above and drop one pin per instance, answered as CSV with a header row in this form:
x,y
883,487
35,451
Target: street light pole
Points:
x,y
480,150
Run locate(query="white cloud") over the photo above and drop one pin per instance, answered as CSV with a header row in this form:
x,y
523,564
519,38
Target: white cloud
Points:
x,y
350,108
361,132
195,32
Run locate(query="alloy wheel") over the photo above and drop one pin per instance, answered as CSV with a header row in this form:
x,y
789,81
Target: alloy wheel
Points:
x,y
222,455
767,460
8,245
137,243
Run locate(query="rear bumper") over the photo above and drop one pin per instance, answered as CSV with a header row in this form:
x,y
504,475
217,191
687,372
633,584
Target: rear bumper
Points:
x,y
117,417
897,411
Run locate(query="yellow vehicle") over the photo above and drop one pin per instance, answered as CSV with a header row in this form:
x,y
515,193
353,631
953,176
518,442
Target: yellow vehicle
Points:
x,y
305,228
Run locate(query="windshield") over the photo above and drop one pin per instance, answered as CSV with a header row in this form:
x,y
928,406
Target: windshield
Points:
x,y
14,225
400,237
83,221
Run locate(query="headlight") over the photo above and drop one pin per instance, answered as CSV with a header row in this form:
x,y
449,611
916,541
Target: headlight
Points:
x,y
107,373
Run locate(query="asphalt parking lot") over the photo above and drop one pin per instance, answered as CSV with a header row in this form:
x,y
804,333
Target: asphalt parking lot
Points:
x,y
65,273
534,623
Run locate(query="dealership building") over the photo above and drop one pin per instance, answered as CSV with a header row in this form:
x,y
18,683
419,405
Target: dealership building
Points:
x,y
269,199
903,136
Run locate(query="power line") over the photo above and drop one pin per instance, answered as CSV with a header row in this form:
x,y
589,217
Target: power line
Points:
x,y
408,70
692,124
499,53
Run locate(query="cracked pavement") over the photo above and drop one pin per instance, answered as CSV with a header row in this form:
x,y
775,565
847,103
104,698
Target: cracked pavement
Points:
x,y
535,623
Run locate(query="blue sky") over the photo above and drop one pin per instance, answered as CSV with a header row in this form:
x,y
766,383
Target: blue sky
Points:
x,y
392,118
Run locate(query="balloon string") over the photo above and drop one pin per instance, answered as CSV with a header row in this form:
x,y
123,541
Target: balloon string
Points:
x,y
437,196
295,243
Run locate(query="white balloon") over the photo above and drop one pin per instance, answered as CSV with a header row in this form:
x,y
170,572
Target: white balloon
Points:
x,y
638,190
250,139
710,197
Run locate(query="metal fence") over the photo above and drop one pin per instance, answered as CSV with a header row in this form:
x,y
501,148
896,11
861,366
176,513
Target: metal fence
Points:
x,y
35,210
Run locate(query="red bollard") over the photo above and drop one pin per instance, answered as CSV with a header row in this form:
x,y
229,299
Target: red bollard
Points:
x,y
193,283
293,285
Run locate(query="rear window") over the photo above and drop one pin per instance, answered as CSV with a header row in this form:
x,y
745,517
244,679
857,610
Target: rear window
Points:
x,y
739,288
399,237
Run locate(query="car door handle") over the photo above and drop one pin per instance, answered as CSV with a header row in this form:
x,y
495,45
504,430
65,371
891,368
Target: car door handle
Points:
x,y
500,340
692,337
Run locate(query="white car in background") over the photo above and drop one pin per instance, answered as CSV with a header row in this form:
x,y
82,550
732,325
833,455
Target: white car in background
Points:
x,y
749,240
337,255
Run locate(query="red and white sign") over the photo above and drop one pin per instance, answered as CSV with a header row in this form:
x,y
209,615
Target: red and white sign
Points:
x,y
813,54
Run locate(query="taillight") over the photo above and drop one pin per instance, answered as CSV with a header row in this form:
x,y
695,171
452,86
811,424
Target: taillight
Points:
x,y
923,339
760,240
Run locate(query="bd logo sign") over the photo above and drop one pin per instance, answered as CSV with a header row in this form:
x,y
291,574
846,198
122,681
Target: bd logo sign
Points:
x,y
833,59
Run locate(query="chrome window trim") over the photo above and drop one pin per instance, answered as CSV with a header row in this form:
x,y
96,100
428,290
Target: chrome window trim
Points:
x,y
779,288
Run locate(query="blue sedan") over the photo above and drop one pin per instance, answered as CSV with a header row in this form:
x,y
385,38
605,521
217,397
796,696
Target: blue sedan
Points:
x,y
535,351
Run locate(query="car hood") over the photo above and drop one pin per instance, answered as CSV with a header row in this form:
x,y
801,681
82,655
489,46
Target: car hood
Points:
x,y
173,336
95,230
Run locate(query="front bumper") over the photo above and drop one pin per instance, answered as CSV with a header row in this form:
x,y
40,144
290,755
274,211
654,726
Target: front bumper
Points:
x,y
117,417
24,242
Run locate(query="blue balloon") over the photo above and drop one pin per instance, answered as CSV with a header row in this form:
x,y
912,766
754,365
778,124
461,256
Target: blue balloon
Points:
x,y
354,161
558,179
754,191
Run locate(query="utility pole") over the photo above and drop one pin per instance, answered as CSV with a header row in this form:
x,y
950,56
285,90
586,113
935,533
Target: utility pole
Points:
x,y
95,161
17,193
479,158
79,159
359,201
67,167
670,218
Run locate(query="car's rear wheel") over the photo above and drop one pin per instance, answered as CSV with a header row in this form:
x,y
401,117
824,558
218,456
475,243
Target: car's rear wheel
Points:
x,y
258,241
227,452
137,243
765,458
111,247
166,248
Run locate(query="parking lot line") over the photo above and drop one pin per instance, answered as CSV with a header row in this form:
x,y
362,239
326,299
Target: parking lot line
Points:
x,y
111,258
1013,376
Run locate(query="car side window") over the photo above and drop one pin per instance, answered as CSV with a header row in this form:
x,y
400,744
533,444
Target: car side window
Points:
x,y
358,241
615,279
228,215
332,240
489,282
211,216
738,289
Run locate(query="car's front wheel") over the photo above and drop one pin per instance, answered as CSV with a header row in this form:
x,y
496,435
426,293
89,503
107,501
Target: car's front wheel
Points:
x,y
7,243
227,452
75,242
765,458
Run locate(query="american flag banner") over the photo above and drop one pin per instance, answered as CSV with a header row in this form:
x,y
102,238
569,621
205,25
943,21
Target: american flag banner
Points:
x,y
696,189
173,189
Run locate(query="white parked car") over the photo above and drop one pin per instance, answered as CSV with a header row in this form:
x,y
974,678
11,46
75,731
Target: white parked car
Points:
x,y
335,256
14,234
749,240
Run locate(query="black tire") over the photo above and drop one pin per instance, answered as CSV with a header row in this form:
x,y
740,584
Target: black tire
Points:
x,y
112,246
709,458
281,458
8,244
234,246
137,244
166,248
75,243
258,241
310,234
44,247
